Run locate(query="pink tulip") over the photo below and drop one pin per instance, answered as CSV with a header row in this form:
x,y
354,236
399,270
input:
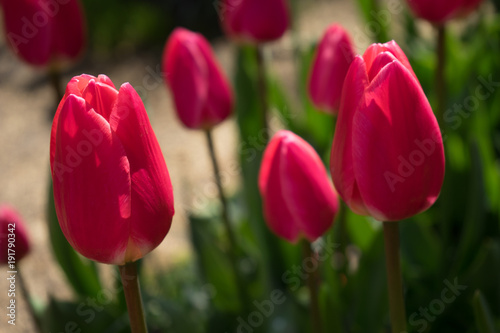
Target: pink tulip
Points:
x,y
331,62
13,231
440,11
112,189
387,157
255,21
201,93
298,197
42,31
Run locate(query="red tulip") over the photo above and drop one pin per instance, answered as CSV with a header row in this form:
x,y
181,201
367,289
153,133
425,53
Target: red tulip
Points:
x,y
41,31
255,21
298,197
331,62
440,11
202,94
12,232
387,157
112,189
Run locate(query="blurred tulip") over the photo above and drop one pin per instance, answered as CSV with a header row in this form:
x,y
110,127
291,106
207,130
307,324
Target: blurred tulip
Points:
x,y
387,157
329,68
255,21
202,94
42,31
112,189
13,232
440,11
298,197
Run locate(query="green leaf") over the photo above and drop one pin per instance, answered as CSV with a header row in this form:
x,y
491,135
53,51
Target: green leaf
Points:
x,y
482,312
330,309
474,224
368,290
82,317
374,16
253,142
362,230
214,263
81,273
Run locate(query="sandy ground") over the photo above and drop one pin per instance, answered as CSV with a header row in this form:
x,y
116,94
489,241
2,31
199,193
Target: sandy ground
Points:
x,y
26,97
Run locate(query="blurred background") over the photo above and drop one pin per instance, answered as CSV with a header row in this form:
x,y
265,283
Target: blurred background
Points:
x,y
126,40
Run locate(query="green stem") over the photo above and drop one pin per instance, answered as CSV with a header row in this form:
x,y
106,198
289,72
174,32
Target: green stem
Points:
x,y
381,33
313,282
441,73
394,279
132,290
56,82
262,88
27,299
227,223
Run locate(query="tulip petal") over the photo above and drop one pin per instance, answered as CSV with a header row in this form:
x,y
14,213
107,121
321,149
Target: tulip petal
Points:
x,y
331,63
30,42
256,20
187,74
68,30
440,11
43,31
219,105
101,97
382,60
278,215
392,47
341,159
76,86
152,194
92,185
403,176
11,220
308,191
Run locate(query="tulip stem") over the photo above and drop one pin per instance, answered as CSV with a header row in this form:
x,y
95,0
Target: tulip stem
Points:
x,y
441,73
55,81
394,279
227,223
262,87
132,290
313,281
27,299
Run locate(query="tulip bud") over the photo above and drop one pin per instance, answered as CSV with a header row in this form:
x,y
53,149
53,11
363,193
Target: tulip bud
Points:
x,y
14,240
255,21
329,68
112,189
201,93
43,31
440,11
387,157
298,197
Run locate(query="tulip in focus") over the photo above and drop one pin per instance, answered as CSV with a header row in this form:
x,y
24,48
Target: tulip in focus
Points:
x,y
329,68
43,31
387,157
255,21
12,231
440,11
298,197
112,189
201,93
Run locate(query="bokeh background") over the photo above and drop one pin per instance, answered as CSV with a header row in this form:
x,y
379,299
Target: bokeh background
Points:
x,y
126,40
